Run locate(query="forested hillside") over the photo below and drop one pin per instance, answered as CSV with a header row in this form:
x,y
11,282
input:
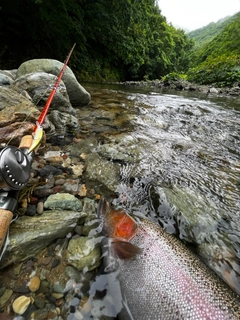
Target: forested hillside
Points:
x,y
116,39
207,33
218,61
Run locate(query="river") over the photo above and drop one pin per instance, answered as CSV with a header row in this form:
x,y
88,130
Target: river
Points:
x,y
181,164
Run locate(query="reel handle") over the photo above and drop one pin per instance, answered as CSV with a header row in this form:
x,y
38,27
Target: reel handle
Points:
x,y
5,214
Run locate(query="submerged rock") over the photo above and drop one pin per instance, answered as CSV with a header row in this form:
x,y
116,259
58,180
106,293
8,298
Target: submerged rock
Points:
x,y
84,252
63,120
29,235
102,175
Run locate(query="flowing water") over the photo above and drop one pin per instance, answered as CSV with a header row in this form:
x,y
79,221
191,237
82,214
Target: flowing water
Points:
x,y
181,164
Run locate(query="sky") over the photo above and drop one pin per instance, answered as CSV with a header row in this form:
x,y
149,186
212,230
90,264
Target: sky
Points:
x,y
193,14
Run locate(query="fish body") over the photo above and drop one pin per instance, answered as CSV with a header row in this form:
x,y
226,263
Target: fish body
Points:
x,y
166,280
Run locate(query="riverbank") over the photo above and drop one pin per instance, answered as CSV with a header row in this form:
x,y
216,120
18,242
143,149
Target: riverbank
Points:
x,y
182,85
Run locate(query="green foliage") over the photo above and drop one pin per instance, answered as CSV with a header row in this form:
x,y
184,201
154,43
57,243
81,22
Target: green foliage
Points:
x,y
218,61
174,76
223,71
207,33
125,39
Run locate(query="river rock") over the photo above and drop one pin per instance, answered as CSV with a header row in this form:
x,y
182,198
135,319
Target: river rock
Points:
x,y
63,120
34,284
15,131
84,253
21,304
5,297
87,145
29,235
77,94
119,152
11,98
39,86
18,116
5,79
101,175
63,201
213,90
197,227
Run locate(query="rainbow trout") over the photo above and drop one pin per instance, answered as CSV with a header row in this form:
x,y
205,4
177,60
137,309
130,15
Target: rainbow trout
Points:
x,y
159,277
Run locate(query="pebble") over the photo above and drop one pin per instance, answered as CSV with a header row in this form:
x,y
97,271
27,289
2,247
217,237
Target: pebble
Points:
x,y
40,301
21,304
58,287
82,191
40,207
31,210
57,189
85,305
5,297
59,181
24,203
55,159
57,295
42,193
33,200
71,186
34,284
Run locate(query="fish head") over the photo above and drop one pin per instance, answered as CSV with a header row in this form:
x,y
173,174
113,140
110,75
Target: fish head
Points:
x,y
121,228
116,224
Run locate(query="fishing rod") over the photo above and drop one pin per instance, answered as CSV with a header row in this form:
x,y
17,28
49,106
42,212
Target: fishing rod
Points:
x,y
38,131
15,166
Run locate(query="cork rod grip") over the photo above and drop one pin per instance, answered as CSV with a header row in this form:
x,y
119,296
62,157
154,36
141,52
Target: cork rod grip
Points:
x,y
26,142
5,220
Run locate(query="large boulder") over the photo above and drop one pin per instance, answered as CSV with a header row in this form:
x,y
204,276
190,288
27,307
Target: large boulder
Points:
x,y
77,94
39,86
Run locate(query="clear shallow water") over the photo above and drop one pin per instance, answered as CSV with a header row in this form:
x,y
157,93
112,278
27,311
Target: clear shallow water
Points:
x,y
185,165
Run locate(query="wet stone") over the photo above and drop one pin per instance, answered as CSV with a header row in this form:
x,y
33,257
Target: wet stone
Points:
x,y
5,297
21,286
63,201
58,287
21,304
44,274
71,186
46,260
55,263
57,295
42,193
60,181
49,170
40,207
73,273
44,287
2,289
31,210
34,284
39,301
78,230
84,252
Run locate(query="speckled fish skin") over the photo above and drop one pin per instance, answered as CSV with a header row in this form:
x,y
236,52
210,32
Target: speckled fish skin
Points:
x,y
167,281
